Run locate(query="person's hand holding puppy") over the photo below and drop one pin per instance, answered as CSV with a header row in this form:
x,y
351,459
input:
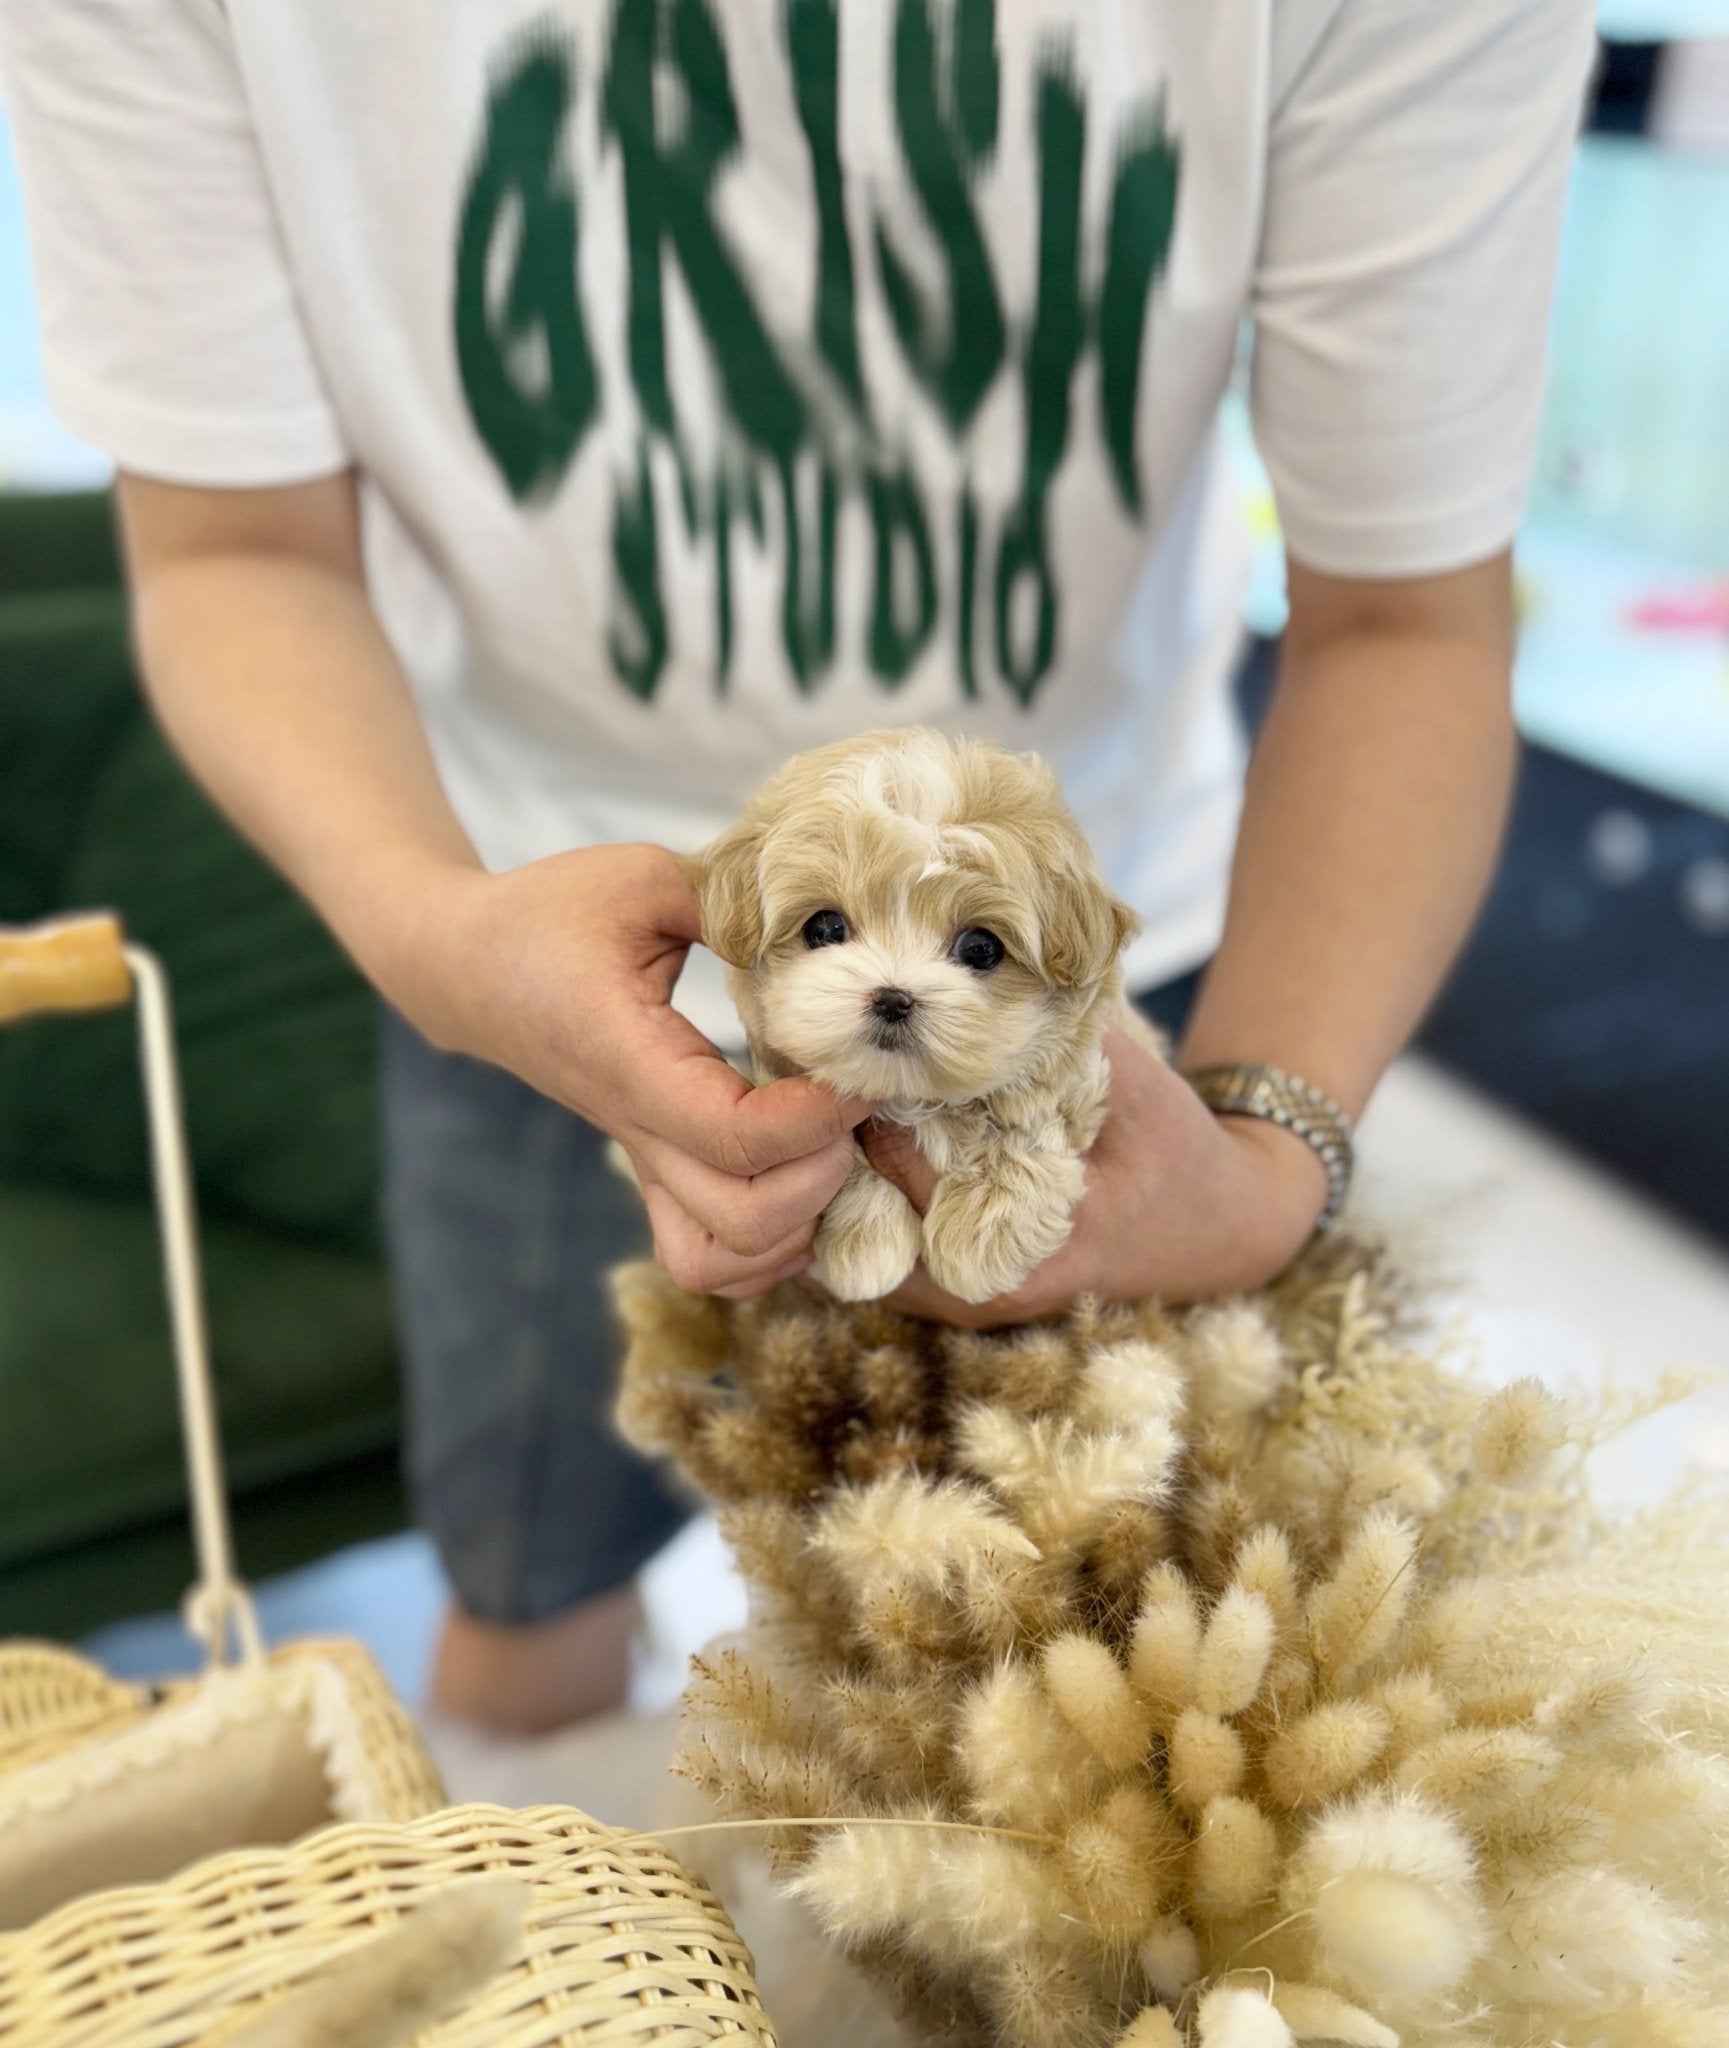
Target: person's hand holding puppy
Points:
x,y
1179,1204
562,972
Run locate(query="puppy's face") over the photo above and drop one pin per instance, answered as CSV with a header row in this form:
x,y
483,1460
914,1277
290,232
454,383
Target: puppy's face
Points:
x,y
911,917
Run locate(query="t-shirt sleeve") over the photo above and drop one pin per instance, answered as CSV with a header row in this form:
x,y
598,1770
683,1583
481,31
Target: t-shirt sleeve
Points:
x,y
172,338
1417,172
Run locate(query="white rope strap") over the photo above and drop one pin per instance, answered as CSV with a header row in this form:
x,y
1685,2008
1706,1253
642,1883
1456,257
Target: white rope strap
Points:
x,y
218,1611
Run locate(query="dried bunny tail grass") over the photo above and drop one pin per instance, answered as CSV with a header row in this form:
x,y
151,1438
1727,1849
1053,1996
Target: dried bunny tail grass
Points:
x,y
1130,1540
1314,2013
750,1779
1234,1652
1266,1566
1024,1765
1529,1842
1236,1362
400,1983
668,1330
1127,1385
1218,1517
1518,1431
1388,1885
1232,2016
1353,1685
1064,1481
1093,1694
1117,1865
934,2005
662,1414
1356,1615
931,1568
899,1737
901,1630
1004,1602
1152,2027
1158,1837
1045,1999
1391,1476
894,1392
1170,1958
861,1458
791,1375
1415,1707
1205,1759
783,1706
1596,1706
1480,1774
1091,1477
1235,1858
985,1897
1325,1753
911,1531
861,1883
1029,1372
757,1741
1454,1626
1165,1648
743,1453
789,1587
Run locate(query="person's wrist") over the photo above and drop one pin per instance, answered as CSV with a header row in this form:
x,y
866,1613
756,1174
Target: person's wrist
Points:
x,y
418,932
1282,1191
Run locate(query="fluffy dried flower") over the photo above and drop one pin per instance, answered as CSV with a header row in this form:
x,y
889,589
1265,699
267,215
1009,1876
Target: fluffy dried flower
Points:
x,y
1518,1431
1093,1694
1429,1750
1233,2017
1235,1862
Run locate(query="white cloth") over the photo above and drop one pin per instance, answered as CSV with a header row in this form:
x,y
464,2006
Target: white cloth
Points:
x,y
603,298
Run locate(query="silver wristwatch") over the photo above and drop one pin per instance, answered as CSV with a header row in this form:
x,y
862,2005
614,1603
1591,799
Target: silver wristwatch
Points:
x,y
1280,1098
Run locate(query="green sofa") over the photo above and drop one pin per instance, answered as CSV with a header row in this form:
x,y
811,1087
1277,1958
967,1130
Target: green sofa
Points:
x,y
276,1035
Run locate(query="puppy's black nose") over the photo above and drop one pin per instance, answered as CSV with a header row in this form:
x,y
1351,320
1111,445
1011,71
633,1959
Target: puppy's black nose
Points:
x,y
893,1005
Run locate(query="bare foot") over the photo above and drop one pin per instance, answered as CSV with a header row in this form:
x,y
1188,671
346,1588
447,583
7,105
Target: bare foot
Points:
x,y
529,1680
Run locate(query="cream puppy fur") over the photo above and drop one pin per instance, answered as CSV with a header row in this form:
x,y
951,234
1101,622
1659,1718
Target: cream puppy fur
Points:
x,y
915,919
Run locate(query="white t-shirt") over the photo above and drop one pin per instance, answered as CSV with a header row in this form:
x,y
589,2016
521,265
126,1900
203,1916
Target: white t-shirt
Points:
x,y
728,375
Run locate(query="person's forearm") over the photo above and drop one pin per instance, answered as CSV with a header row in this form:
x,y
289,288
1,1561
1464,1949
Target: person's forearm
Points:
x,y
267,667
1375,806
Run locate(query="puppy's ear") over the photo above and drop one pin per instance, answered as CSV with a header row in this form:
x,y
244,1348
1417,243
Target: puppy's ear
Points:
x,y
1084,927
724,880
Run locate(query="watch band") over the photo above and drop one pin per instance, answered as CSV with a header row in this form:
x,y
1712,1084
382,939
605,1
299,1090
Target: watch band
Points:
x,y
1295,1106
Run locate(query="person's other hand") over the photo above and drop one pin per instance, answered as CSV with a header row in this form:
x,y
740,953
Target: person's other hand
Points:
x,y
562,972
1179,1205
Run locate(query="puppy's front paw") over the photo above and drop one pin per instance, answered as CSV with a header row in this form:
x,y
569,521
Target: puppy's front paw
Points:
x,y
985,1231
868,1240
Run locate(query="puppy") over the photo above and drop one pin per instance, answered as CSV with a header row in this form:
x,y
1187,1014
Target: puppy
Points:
x,y
915,919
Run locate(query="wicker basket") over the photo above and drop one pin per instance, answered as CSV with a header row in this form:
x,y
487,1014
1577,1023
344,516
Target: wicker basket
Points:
x,y
622,1944
103,1782
52,1699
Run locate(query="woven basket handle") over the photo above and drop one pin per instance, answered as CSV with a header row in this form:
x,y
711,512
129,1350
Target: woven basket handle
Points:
x,y
86,963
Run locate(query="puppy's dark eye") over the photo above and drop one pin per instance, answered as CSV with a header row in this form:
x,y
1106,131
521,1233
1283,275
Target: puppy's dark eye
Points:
x,y
978,949
826,928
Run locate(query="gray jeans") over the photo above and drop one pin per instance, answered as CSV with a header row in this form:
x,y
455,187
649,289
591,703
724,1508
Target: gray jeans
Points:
x,y
503,1219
